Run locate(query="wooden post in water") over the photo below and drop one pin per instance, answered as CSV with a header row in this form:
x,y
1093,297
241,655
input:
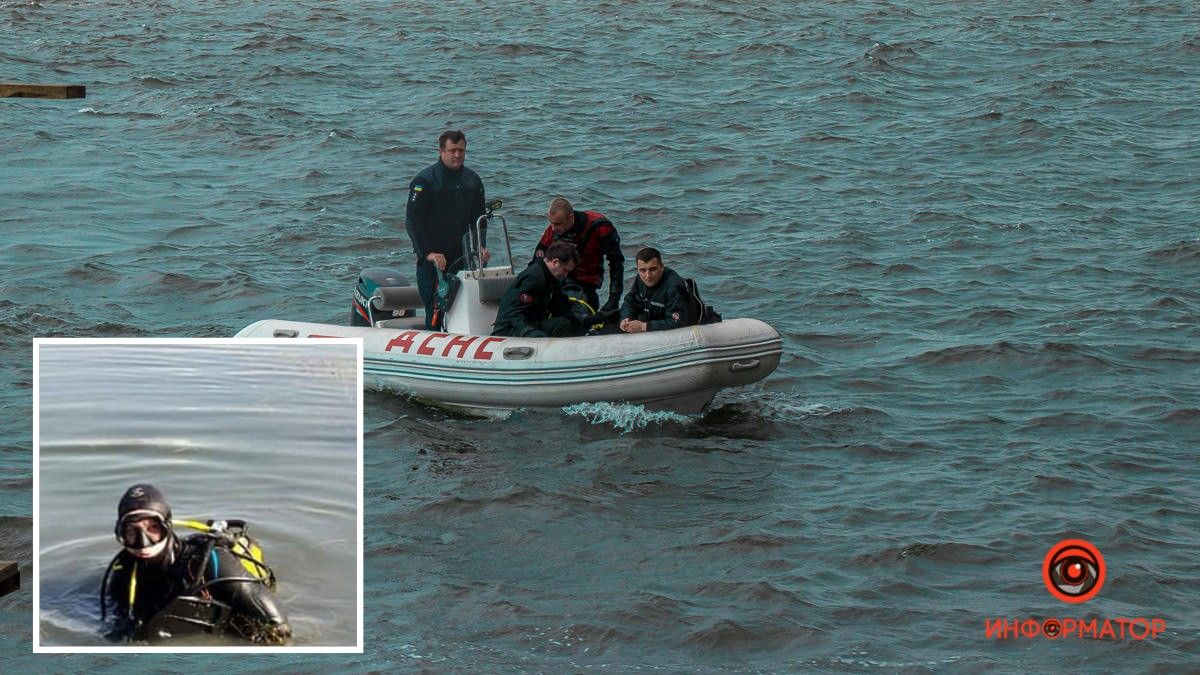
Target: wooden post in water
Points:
x,y
18,90
10,577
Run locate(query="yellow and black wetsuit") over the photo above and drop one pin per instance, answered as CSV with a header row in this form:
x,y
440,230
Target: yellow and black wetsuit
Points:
x,y
211,582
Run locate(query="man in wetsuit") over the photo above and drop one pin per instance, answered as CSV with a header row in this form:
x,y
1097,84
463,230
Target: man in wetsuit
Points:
x,y
444,201
535,306
596,239
658,299
155,568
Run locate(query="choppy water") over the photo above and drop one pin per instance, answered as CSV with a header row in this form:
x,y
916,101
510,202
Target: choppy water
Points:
x,y
975,225
261,433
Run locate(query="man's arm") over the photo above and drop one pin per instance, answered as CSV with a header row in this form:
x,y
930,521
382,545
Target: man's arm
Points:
x,y
545,241
630,306
528,293
416,216
610,245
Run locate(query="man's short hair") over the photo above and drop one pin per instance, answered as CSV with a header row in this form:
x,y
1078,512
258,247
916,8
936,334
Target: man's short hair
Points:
x,y
647,254
451,136
562,251
561,205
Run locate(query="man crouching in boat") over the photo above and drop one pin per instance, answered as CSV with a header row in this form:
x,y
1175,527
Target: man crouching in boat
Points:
x,y
658,299
535,305
159,586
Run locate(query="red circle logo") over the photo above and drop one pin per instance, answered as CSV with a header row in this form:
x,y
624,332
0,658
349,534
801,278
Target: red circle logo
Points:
x,y
1073,570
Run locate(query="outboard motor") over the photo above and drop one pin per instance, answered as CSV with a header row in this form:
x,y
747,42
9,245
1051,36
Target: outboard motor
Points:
x,y
364,313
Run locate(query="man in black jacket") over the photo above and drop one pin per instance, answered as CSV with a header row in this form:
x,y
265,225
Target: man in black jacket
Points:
x,y
658,299
444,201
535,306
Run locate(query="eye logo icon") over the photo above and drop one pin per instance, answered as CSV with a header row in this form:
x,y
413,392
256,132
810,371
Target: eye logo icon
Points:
x,y
1073,570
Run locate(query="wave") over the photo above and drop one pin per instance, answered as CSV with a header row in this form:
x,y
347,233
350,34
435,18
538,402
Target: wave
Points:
x,y
1169,302
650,609
939,218
922,292
942,552
853,97
771,49
1179,252
1169,355
994,314
283,43
898,52
1047,354
742,543
767,634
748,591
1182,416
151,81
522,49
125,114
825,138
94,272
520,496
625,417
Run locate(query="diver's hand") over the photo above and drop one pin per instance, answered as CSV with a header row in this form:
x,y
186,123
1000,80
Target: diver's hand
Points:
x,y
438,260
485,255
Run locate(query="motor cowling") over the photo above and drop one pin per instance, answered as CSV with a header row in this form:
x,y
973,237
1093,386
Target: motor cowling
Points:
x,y
363,313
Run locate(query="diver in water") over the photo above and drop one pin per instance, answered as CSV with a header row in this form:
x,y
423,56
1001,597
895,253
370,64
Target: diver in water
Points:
x,y
215,581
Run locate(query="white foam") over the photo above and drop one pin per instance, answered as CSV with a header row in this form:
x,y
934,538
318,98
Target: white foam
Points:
x,y
624,416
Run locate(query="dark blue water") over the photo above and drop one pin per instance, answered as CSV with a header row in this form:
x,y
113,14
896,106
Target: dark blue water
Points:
x,y
975,227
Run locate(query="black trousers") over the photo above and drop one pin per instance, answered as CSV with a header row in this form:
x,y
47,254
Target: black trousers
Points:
x,y
427,277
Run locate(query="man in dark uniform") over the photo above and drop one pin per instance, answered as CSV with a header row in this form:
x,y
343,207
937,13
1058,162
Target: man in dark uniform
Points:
x,y
444,201
658,299
595,238
535,306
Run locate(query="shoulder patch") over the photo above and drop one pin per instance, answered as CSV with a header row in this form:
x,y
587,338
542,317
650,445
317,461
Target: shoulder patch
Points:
x,y
525,298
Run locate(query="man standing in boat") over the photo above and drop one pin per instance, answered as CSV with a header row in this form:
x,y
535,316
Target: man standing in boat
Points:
x,y
535,306
444,201
595,238
658,299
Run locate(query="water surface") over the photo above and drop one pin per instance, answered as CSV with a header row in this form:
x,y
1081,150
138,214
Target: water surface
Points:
x,y
975,226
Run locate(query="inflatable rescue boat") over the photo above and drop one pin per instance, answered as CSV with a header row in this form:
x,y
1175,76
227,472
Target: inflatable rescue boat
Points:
x,y
466,367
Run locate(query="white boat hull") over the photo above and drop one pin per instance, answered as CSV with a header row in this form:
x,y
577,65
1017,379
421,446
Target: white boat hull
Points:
x,y
678,370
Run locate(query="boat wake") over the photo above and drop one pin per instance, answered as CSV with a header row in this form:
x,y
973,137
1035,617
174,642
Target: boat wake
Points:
x,y
625,417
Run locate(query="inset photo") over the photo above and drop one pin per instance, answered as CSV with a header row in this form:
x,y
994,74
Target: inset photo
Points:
x,y
195,495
